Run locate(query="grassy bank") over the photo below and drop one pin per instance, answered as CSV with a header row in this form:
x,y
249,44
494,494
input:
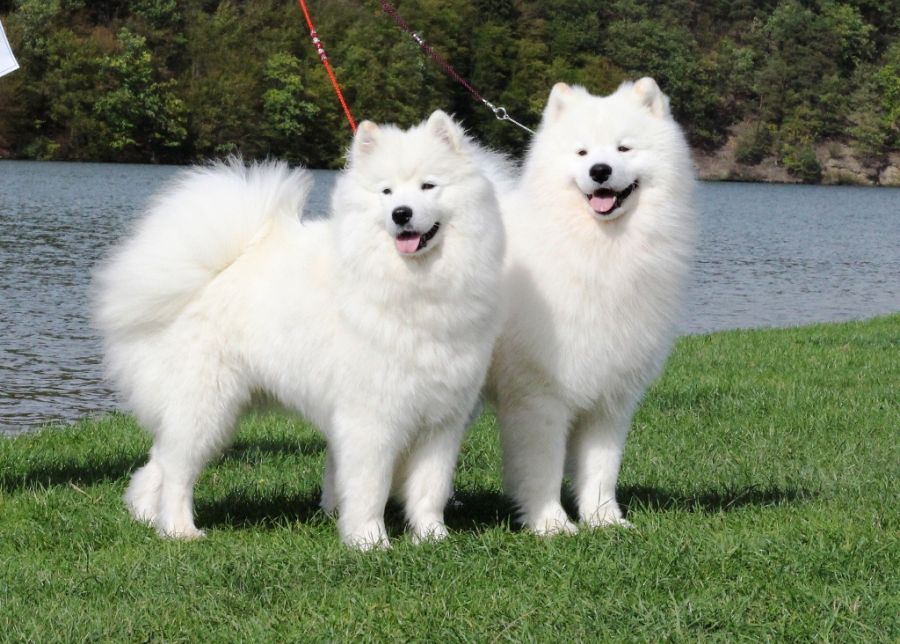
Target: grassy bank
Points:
x,y
761,475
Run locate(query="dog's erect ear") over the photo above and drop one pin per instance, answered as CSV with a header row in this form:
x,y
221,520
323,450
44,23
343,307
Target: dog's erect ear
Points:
x,y
650,96
367,135
559,99
445,128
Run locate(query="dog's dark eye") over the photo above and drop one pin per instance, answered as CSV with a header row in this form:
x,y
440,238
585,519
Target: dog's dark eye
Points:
x,y
427,186
386,191
624,148
581,153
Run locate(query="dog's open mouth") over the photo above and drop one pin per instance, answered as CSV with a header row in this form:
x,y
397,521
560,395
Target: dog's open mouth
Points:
x,y
604,201
409,241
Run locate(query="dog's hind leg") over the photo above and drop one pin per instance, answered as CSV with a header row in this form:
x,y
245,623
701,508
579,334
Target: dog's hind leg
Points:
x,y
181,464
142,495
196,425
533,434
328,501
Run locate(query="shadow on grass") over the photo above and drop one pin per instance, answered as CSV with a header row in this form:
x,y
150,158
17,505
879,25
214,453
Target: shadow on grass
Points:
x,y
477,511
474,511
658,500
467,512
69,472
94,469
305,446
240,510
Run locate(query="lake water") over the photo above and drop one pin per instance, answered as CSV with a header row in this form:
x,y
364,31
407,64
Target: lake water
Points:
x,y
770,255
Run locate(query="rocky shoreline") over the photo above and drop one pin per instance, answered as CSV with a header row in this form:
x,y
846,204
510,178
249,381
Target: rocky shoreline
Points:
x,y
839,163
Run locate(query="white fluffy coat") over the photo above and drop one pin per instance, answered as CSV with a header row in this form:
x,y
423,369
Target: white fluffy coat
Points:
x,y
221,292
591,299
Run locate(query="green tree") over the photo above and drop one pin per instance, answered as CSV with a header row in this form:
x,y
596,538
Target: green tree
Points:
x,y
851,36
669,53
223,85
177,80
875,119
139,114
70,90
161,22
286,107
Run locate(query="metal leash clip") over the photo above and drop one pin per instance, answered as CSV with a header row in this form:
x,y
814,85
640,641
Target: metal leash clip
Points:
x,y
502,115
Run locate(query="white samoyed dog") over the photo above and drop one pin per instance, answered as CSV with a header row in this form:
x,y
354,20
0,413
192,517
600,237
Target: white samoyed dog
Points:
x,y
376,324
600,236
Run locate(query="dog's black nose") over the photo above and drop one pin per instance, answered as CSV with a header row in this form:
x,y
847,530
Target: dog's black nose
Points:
x,y
401,215
600,172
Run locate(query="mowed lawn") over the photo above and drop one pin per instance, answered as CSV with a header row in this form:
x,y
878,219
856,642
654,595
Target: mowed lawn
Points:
x,y
761,476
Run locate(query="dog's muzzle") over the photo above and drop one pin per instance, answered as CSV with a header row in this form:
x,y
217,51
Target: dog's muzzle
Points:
x,y
605,201
410,242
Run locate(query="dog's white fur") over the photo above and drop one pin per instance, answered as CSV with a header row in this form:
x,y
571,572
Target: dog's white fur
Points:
x,y
222,291
590,301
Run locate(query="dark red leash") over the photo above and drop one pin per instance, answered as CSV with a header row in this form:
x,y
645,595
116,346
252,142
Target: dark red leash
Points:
x,y
499,112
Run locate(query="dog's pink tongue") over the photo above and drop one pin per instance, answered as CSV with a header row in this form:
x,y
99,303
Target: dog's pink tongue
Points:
x,y
603,204
408,245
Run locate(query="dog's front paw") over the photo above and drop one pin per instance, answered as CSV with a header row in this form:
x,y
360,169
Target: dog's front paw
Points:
x,y
430,532
180,532
606,515
606,522
554,521
368,536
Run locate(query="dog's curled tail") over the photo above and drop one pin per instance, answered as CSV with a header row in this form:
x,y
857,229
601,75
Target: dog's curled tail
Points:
x,y
191,232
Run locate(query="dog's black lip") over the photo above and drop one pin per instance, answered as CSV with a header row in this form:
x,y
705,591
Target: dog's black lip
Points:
x,y
621,196
423,238
427,237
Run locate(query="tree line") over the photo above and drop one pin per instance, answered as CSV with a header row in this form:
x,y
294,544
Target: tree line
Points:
x,y
175,81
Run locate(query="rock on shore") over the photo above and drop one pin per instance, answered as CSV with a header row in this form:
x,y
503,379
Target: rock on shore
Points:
x,y
839,163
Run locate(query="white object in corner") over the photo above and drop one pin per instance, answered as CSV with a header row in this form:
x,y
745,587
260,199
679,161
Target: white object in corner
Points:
x,y
7,60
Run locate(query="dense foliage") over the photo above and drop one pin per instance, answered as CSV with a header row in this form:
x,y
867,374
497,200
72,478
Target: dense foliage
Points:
x,y
178,80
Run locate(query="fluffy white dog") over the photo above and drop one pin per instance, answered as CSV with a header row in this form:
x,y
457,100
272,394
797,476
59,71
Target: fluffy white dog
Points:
x,y
376,325
600,232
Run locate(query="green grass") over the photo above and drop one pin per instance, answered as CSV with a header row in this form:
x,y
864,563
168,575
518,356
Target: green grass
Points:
x,y
761,475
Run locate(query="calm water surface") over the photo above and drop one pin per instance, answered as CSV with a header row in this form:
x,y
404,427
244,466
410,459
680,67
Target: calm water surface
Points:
x,y
769,256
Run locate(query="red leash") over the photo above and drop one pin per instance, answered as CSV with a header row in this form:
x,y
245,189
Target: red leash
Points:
x,y
320,49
